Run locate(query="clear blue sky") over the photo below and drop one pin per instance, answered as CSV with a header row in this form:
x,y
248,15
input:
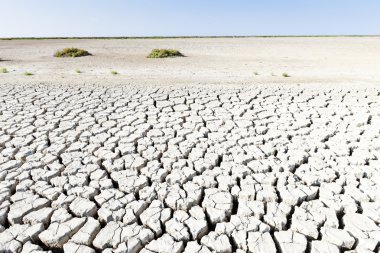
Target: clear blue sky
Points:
x,y
41,18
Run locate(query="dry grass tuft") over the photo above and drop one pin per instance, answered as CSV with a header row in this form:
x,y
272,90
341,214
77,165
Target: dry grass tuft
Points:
x,y
71,52
164,53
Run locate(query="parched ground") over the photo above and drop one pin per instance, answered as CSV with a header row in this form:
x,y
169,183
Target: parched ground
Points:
x,y
209,61
129,169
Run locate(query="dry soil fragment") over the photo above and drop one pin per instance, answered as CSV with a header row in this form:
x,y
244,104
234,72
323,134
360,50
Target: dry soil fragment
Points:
x,y
291,242
58,234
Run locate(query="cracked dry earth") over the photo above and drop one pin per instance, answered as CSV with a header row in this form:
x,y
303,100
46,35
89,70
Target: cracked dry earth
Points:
x,y
256,169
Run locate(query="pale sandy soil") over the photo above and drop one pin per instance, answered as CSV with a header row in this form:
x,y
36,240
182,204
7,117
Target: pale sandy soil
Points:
x,y
96,163
309,61
182,170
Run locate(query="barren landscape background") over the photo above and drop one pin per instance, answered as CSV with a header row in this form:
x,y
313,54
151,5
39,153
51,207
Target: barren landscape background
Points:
x,y
308,60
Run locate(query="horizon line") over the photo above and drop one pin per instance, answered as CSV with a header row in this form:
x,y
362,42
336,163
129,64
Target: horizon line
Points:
x,y
183,37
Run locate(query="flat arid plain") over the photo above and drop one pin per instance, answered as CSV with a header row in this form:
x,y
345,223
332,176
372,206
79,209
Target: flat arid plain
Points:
x,y
209,61
217,151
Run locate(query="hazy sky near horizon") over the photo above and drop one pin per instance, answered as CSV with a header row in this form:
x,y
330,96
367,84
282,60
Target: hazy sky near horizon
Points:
x,y
47,18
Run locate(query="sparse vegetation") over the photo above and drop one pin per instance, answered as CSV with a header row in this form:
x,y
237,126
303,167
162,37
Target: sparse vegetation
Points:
x,y
113,72
164,53
28,74
3,70
285,74
78,71
71,52
256,73
189,37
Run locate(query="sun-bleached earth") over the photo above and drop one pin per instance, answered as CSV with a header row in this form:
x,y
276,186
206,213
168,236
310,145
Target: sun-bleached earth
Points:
x,y
128,169
328,61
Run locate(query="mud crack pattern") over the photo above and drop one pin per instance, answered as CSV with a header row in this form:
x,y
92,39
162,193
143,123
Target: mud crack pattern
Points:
x,y
265,169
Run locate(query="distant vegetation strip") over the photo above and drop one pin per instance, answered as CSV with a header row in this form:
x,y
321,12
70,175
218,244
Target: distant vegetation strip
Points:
x,y
187,37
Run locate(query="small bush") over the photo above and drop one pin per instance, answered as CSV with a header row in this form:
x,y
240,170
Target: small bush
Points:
x,y
285,74
4,70
78,71
71,52
28,74
256,73
113,72
164,53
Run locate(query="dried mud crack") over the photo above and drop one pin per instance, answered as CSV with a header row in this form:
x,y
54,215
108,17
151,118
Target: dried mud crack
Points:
x,y
127,169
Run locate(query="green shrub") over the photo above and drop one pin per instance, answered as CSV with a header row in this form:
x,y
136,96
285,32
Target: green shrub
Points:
x,y
78,71
71,52
285,74
163,53
28,74
113,72
4,70
256,73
